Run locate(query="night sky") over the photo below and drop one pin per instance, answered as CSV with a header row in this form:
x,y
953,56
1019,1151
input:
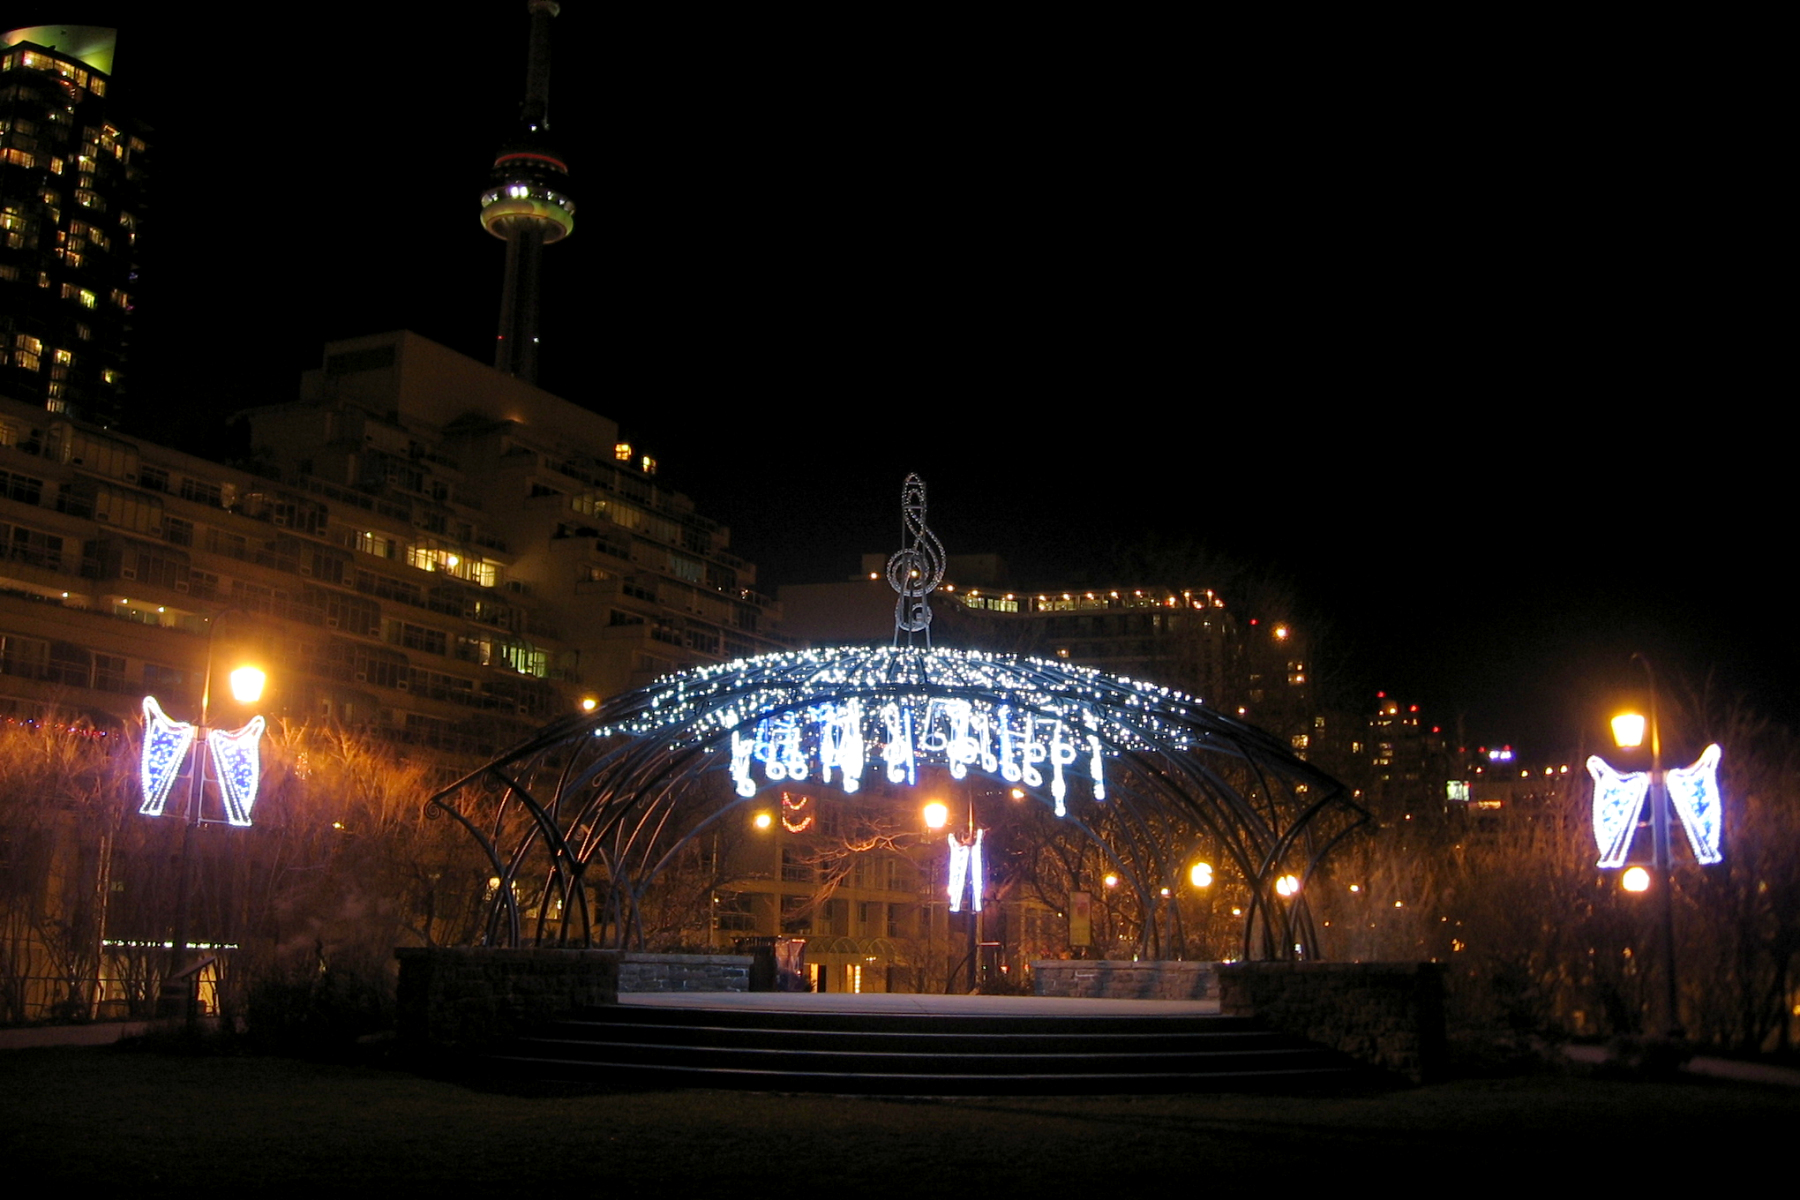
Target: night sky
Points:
x,y
1459,356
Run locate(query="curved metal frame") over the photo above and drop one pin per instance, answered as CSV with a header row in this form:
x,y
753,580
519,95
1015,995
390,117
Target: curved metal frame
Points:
x,y
587,803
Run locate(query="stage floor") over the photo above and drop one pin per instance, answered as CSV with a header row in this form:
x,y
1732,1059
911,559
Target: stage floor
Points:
x,y
921,1005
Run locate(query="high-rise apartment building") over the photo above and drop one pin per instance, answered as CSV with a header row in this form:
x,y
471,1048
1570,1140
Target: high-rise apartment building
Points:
x,y
71,196
426,547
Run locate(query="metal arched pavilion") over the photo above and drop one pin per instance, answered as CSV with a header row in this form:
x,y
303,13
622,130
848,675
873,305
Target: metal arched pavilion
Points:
x,y
588,813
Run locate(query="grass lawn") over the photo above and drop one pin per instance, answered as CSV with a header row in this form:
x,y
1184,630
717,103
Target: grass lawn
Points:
x,y
153,1123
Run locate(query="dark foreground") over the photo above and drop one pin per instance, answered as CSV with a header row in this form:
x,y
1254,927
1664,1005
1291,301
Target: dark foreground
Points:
x,y
155,1123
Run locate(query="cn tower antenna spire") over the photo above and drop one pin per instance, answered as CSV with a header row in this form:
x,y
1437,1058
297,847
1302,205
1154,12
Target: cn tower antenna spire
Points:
x,y
527,205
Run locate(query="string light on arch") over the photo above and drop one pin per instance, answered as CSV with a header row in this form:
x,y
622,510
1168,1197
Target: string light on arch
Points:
x,y
829,714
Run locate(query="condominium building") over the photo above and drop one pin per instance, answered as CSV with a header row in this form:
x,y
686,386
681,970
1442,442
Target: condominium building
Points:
x,y
422,545
71,197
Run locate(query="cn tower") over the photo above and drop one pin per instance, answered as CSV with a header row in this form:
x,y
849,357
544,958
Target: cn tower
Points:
x,y
527,206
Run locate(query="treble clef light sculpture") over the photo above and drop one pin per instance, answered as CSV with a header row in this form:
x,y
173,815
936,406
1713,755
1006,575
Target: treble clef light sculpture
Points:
x,y
917,568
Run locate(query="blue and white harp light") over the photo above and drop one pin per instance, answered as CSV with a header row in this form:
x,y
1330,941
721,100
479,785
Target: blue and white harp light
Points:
x,y
236,757
1619,803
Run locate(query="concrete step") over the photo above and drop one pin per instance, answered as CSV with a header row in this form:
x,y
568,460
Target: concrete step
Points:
x,y
885,1053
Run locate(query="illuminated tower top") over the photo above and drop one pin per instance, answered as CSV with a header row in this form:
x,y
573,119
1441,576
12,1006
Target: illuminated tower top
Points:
x,y
527,205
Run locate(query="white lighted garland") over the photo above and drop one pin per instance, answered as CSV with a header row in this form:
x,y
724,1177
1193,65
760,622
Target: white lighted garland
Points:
x,y
1026,721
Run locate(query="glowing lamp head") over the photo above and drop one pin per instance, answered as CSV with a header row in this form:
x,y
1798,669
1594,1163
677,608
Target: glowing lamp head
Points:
x,y
936,815
1287,885
1628,730
247,685
1111,881
763,820
1200,874
589,704
1635,879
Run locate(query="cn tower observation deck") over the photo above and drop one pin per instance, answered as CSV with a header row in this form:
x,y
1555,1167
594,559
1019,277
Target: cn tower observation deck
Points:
x,y
527,205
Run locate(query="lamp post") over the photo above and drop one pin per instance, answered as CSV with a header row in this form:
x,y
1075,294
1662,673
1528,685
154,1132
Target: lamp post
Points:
x,y
1618,802
1200,878
181,982
1628,733
966,867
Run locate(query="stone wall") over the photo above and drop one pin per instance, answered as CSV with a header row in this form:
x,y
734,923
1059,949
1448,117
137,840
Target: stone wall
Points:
x,y
1390,1015
684,972
466,997
1108,979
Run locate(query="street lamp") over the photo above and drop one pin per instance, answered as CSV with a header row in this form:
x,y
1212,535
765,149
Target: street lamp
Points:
x,y
1693,792
237,770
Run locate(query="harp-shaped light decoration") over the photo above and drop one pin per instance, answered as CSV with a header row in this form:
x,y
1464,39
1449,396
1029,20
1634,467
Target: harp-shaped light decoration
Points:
x,y
236,755
965,868
1694,791
238,763
166,743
